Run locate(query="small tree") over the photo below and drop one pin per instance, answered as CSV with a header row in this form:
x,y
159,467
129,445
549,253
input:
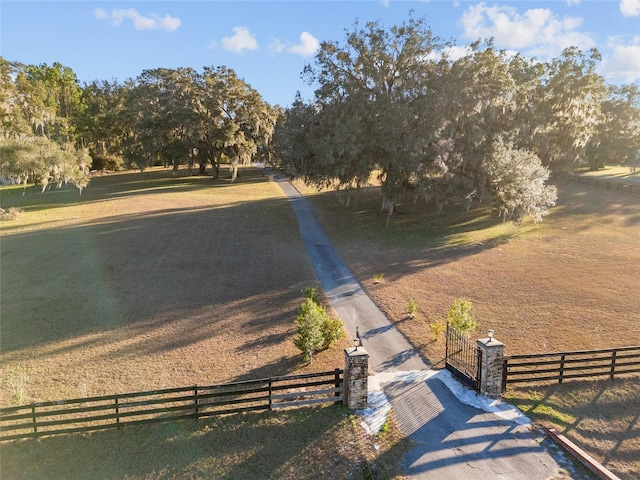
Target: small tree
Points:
x,y
412,307
437,328
332,331
309,322
517,180
316,329
312,293
459,316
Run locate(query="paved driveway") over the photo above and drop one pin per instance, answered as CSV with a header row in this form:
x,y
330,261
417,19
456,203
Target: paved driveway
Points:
x,y
453,440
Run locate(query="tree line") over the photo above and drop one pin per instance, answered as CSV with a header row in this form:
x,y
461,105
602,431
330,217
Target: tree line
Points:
x,y
393,103
390,103
55,129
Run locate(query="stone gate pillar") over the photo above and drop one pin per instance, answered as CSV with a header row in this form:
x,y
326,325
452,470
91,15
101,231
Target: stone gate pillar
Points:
x,y
491,368
356,370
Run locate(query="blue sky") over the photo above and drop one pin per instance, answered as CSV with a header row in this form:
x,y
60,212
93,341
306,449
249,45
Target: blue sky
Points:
x,y
269,42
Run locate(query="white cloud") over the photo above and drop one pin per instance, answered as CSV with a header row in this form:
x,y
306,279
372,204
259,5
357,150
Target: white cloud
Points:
x,y
308,45
623,63
538,31
101,14
276,46
630,8
571,3
140,22
241,40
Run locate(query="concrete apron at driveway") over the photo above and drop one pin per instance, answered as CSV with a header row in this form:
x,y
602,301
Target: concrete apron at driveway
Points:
x,y
456,442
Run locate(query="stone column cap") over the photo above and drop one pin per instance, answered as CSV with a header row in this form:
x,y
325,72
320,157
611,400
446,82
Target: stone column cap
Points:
x,y
355,352
489,342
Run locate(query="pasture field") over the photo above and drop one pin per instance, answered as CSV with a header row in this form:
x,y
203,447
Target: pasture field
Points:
x,y
303,443
152,281
569,283
155,280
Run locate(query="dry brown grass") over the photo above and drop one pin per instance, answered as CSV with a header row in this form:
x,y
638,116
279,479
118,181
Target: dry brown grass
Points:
x,y
155,280
151,281
600,416
571,283
308,443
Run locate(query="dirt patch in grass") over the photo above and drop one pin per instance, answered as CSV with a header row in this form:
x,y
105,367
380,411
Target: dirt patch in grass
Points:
x,y
570,283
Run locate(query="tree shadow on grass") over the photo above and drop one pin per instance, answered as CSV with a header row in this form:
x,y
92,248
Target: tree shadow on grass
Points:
x,y
280,367
154,299
122,184
601,416
418,238
168,265
287,444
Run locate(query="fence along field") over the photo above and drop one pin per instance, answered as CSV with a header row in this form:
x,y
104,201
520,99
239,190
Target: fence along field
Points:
x,y
606,184
111,411
562,366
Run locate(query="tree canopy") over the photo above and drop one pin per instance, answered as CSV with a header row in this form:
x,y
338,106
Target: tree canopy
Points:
x,y
394,103
39,111
54,130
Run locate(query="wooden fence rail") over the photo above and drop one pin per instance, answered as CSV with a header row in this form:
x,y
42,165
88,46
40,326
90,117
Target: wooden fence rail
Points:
x,y
109,411
606,184
561,366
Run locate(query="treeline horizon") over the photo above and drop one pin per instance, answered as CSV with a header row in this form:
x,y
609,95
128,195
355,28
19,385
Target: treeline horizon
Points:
x,y
389,101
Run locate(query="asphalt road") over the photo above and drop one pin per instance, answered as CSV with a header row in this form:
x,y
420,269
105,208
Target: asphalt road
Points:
x,y
452,440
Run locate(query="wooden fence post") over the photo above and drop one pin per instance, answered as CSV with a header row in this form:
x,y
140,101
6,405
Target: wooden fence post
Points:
x,y
33,413
561,368
613,364
505,370
117,412
195,400
336,382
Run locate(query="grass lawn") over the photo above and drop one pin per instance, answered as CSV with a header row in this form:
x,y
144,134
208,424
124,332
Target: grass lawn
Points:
x,y
613,172
155,280
303,443
570,283
149,281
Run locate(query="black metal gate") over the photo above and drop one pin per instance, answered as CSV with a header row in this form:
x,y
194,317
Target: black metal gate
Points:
x,y
464,358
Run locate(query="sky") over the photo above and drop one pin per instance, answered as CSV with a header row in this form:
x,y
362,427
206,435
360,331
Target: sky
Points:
x,y
268,42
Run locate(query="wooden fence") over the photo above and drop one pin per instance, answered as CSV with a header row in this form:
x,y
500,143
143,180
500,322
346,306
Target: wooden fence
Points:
x,y
562,366
607,184
98,413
